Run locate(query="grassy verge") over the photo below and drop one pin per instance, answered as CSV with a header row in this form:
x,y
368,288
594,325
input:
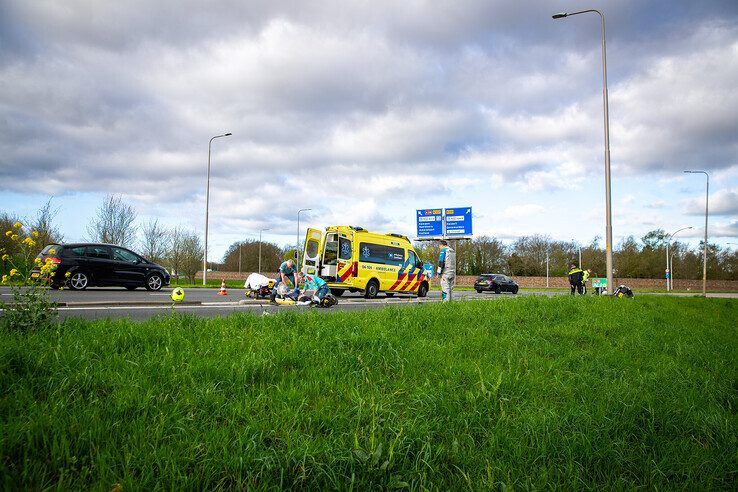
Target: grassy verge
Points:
x,y
524,393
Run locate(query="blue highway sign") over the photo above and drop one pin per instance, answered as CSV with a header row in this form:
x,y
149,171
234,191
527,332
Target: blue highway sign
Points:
x,y
458,221
430,222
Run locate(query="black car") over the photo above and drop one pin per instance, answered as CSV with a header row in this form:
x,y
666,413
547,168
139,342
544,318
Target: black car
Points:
x,y
83,265
495,282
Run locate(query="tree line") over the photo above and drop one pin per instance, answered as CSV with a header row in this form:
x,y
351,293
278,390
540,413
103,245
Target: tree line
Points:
x,y
632,258
180,250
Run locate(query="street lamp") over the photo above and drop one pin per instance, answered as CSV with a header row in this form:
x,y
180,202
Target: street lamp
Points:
x,y
608,200
260,231
297,243
579,247
669,283
207,204
704,253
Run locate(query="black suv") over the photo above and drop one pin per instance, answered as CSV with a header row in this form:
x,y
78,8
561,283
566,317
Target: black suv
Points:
x,y
496,283
90,265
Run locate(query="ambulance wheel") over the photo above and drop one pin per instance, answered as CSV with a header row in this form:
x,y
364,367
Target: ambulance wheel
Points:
x,y
337,292
372,289
423,290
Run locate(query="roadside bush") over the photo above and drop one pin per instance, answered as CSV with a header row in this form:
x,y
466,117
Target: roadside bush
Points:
x,y
31,307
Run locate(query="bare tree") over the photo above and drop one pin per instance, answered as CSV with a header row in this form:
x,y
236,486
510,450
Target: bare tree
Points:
x,y
114,222
192,253
154,243
173,255
47,232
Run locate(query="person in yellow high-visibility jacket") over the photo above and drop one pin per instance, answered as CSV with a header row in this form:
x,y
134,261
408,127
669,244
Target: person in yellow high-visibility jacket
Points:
x,y
585,277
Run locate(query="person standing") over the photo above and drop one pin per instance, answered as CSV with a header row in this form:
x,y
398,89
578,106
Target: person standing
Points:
x,y
286,272
447,270
585,277
575,279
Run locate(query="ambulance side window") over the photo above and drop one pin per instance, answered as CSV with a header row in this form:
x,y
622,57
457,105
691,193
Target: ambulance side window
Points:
x,y
413,260
344,249
312,248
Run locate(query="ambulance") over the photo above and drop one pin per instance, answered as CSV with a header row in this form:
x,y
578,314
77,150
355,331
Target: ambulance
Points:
x,y
354,259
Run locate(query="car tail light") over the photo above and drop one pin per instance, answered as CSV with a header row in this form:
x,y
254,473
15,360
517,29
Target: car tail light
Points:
x,y
54,260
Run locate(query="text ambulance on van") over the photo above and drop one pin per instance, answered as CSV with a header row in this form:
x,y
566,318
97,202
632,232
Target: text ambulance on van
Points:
x,y
354,259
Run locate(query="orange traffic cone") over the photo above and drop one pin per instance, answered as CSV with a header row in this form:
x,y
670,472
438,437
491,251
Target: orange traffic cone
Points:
x,y
222,291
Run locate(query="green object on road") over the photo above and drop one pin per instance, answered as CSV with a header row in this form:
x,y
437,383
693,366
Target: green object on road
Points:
x,y
178,294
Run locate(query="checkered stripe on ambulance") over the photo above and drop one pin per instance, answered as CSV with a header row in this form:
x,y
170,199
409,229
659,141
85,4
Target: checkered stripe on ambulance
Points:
x,y
352,258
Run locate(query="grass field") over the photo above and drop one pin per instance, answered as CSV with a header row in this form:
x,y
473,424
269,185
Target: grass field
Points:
x,y
566,393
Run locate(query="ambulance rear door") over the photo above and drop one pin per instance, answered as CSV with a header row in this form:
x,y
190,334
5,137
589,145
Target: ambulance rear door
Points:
x,y
311,253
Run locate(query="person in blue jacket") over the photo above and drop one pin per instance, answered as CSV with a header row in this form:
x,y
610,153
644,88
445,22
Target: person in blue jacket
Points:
x,y
315,283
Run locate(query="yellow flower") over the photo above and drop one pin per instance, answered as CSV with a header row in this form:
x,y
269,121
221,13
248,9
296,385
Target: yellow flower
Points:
x,y
30,242
17,225
13,272
35,234
8,233
6,257
38,262
5,279
52,251
68,274
14,237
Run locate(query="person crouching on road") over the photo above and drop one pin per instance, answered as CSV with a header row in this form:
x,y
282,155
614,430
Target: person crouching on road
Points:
x,y
575,279
286,272
314,283
447,270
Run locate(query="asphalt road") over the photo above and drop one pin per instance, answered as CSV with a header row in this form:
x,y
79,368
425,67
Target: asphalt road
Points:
x,y
95,303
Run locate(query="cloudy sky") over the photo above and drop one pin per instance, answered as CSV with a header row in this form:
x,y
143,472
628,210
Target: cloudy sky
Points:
x,y
365,111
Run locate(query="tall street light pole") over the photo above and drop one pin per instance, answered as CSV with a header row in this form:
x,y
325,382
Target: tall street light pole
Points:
x,y
297,243
207,205
704,253
608,199
260,231
669,283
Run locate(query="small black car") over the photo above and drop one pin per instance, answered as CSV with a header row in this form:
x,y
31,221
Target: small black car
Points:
x,y
496,283
101,265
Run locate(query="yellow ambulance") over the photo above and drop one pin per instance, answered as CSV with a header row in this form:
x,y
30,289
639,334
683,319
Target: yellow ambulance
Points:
x,y
354,259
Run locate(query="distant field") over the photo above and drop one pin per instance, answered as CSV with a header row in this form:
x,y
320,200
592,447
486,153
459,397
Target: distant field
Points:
x,y
528,392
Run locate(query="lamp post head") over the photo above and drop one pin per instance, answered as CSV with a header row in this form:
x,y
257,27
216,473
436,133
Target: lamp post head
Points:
x,y
227,134
560,15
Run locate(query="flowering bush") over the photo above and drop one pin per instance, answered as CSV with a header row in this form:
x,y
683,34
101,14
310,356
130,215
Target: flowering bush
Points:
x,y
31,307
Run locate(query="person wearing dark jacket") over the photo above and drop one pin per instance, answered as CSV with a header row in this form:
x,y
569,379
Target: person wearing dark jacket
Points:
x,y
575,279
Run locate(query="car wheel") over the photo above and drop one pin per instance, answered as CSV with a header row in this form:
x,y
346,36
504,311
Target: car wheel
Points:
x,y
131,287
515,290
78,281
337,292
154,282
372,289
497,289
423,290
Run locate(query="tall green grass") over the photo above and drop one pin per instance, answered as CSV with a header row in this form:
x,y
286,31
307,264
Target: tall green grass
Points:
x,y
564,393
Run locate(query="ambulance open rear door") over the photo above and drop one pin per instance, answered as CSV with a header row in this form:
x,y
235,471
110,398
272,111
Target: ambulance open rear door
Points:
x,y
312,251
